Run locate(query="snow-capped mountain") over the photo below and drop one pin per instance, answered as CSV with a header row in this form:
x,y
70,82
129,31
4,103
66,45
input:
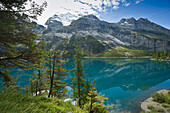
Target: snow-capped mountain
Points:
x,y
66,18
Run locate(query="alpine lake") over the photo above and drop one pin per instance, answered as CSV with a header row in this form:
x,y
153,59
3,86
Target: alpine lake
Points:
x,y
126,82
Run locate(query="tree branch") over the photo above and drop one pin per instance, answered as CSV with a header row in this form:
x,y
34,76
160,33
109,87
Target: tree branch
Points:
x,y
10,58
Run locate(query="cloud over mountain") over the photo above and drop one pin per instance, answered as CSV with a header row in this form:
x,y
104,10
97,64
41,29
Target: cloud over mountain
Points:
x,y
82,7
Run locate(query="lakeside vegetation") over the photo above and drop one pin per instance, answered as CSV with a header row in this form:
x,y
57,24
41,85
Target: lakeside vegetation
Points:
x,y
124,52
13,101
162,55
47,89
21,50
159,102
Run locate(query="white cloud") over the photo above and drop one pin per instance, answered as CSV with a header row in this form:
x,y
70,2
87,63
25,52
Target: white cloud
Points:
x,y
80,7
115,7
126,4
138,1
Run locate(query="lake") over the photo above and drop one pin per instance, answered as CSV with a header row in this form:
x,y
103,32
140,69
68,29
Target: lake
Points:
x,y
125,81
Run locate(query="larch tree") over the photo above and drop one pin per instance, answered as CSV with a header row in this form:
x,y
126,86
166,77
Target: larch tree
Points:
x,y
78,82
95,102
56,74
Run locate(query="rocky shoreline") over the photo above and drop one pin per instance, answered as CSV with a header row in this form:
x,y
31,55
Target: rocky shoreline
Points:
x,y
149,104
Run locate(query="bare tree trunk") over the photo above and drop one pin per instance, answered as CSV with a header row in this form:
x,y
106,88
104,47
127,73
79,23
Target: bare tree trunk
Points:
x,y
39,81
51,78
79,100
36,88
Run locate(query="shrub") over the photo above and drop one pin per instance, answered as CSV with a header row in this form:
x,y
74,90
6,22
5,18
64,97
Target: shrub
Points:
x,y
159,97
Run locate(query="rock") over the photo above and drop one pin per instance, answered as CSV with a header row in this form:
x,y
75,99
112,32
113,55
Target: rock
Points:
x,y
138,34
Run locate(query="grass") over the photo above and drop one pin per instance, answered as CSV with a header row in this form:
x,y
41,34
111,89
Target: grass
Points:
x,y
15,102
125,52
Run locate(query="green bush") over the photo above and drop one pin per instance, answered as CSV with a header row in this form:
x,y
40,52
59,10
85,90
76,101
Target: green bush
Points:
x,y
159,97
155,110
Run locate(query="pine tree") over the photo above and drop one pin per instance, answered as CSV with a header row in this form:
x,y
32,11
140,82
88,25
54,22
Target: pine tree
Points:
x,y
95,102
56,74
39,65
78,82
86,91
17,39
38,79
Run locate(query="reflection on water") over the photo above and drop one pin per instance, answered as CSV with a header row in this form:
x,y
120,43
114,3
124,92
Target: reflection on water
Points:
x,y
126,82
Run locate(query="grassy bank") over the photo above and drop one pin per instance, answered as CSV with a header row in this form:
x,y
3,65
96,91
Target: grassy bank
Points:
x,y
14,102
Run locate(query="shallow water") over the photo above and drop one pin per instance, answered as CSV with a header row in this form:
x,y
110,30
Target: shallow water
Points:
x,y
126,82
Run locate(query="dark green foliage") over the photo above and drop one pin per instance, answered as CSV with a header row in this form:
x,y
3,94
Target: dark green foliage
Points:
x,y
17,39
159,97
161,55
88,44
155,110
87,88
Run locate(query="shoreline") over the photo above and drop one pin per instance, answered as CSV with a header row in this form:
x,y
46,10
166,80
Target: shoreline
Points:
x,y
148,57
159,59
150,103
120,57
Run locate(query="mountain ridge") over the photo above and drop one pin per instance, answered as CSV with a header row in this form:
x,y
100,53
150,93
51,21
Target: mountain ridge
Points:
x,y
137,34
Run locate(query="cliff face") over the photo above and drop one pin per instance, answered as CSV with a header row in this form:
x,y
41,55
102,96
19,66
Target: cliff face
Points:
x,y
139,34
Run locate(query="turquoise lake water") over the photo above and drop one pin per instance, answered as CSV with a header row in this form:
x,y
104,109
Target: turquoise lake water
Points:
x,y
126,82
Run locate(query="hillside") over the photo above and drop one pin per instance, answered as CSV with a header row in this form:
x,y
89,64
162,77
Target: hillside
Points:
x,y
140,34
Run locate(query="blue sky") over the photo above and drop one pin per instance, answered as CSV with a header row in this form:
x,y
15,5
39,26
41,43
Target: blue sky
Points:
x,y
157,11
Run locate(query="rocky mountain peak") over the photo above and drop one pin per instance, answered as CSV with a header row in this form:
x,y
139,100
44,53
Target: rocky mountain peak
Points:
x,y
90,17
143,21
88,21
127,22
131,20
53,24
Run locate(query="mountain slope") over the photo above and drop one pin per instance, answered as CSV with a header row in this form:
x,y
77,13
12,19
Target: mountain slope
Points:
x,y
131,33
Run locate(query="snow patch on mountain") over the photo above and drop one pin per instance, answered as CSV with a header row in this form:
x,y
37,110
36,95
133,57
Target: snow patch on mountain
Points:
x,y
66,18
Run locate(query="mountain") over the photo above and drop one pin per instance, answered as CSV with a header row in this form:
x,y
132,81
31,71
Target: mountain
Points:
x,y
143,25
65,18
139,34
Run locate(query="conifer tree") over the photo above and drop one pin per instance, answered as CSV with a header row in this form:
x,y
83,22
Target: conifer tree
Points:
x,y
38,79
56,74
86,91
95,102
78,82
17,38
39,65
